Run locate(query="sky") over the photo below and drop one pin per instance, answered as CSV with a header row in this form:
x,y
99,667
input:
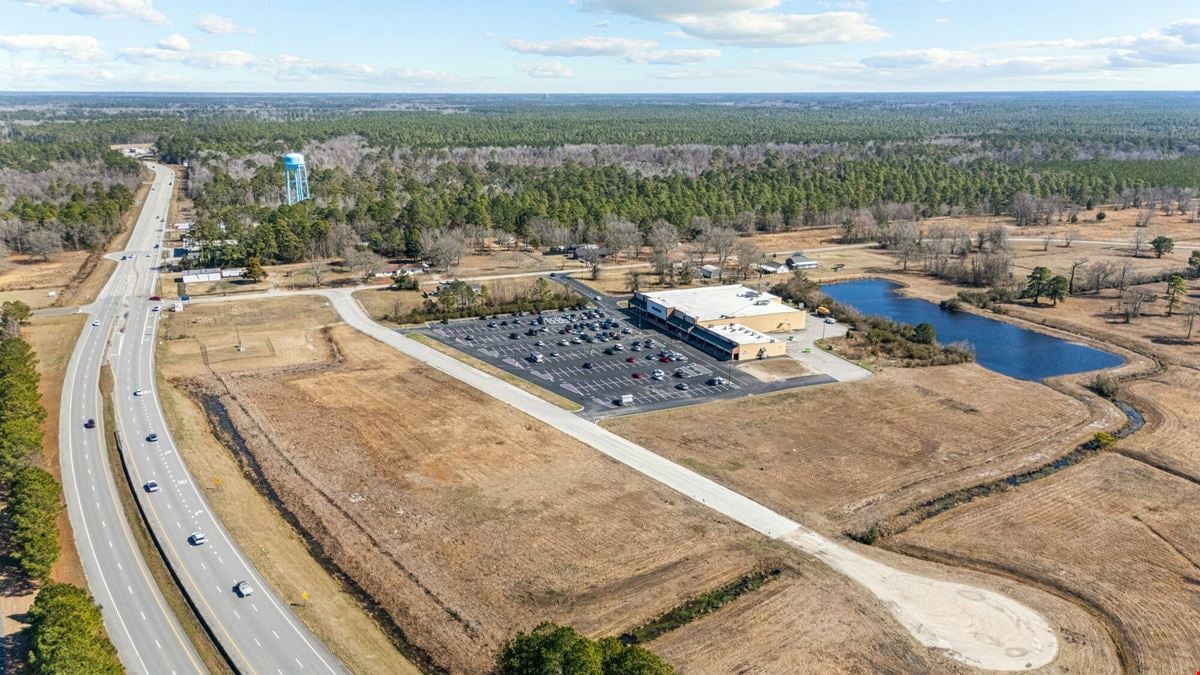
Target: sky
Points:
x,y
601,46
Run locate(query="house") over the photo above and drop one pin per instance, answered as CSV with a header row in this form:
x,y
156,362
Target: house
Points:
x,y
710,272
585,251
773,268
799,261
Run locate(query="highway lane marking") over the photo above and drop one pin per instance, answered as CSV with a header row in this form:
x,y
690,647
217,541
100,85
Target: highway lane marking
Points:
x,y
235,613
275,634
258,643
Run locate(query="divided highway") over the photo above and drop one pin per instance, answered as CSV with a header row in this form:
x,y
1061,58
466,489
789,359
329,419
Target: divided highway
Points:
x,y
259,632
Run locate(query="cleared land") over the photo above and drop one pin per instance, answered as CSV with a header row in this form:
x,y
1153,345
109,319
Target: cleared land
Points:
x,y
203,341
1116,533
468,522
842,457
31,281
1171,404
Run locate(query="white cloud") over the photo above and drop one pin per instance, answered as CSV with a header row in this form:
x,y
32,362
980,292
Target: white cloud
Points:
x,y
24,74
673,56
175,42
749,23
75,47
593,45
108,9
219,25
941,20
1176,44
291,68
545,69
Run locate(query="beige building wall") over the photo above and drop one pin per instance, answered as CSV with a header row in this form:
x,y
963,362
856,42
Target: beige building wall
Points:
x,y
767,323
750,352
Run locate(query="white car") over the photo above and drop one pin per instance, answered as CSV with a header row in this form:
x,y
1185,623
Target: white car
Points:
x,y
151,486
243,589
830,320
156,308
138,392
95,322
197,539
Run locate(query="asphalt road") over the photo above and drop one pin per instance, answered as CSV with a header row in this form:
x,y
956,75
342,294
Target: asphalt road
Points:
x,y
259,632
147,636
975,625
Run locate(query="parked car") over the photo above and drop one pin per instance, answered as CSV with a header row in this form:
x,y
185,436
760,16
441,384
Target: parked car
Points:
x,y
631,360
716,381
197,539
830,319
638,376
682,386
150,486
587,365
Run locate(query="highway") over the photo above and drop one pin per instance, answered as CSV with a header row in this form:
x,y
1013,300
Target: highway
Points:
x,y
259,632
147,635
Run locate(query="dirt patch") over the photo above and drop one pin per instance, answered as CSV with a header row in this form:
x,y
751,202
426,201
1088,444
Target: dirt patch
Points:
x,y
845,456
773,370
1090,531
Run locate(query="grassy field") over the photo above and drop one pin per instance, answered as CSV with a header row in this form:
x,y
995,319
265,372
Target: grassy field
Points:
x,y
1171,404
1113,532
384,302
278,333
842,457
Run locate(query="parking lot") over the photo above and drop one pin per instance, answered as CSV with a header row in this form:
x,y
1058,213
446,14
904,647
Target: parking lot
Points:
x,y
599,358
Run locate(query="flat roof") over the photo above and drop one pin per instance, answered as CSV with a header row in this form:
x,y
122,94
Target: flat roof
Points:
x,y
740,334
708,303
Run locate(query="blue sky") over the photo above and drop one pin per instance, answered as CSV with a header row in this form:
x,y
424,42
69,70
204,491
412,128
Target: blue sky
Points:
x,y
598,45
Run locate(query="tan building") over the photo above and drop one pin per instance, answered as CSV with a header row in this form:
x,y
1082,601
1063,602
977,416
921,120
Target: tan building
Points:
x,y
726,321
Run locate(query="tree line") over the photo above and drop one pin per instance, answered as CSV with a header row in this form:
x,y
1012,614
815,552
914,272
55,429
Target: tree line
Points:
x,y
75,217
67,631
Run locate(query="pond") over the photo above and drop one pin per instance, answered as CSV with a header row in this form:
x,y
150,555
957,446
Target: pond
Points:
x,y
999,346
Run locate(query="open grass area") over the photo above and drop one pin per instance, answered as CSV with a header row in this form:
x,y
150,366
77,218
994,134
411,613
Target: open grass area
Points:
x,y
1112,532
843,457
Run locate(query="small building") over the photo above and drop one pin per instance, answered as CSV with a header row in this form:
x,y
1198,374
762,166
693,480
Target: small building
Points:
x,y
799,261
584,251
729,322
710,272
771,267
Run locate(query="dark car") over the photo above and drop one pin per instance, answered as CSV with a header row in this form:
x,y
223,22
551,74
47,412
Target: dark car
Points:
x,y
514,336
156,298
631,360
89,424
587,364
638,376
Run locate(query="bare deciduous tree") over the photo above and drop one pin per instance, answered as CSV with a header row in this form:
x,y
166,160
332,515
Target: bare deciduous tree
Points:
x,y
748,257
621,235
43,244
1139,240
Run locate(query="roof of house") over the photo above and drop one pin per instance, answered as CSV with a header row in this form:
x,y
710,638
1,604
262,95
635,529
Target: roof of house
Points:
x,y
707,303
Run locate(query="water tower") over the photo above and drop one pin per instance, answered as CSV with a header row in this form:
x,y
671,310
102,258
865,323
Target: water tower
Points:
x,y
296,188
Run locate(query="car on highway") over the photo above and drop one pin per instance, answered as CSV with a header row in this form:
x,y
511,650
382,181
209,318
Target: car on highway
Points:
x,y
150,486
137,392
95,322
89,423
153,438
197,539
156,308
156,298
243,589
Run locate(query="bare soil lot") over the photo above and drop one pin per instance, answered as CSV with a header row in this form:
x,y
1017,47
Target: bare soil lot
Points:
x,y
1116,533
465,521
842,457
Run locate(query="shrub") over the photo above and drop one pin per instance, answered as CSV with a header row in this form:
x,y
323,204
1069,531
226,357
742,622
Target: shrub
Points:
x,y
1105,385
67,634
1103,440
551,648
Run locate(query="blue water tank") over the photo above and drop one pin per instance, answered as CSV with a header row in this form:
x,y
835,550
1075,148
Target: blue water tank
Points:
x,y
293,160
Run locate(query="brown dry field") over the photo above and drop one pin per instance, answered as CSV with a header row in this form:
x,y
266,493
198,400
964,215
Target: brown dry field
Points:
x,y
1170,402
53,339
205,342
1116,533
469,522
773,370
843,457
30,280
